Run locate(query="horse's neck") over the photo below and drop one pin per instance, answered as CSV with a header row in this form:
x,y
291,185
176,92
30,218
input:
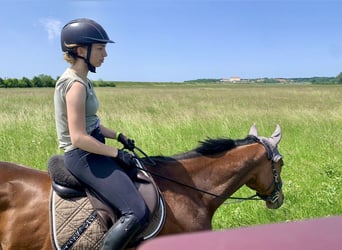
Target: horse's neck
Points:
x,y
223,176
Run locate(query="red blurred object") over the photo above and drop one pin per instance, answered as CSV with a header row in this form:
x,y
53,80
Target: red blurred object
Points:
x,y
323,233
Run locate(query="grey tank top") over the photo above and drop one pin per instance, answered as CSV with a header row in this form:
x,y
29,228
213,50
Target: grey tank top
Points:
x,y
62,87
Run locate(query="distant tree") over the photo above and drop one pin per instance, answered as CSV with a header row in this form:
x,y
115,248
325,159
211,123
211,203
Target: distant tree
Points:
x,y
46,80
37,82
102,83
323,80
11,82
25,83
2,83
339,78
270,80
203,80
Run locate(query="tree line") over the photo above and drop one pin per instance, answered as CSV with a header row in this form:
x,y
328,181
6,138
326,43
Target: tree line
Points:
x,y
46,81
42,81
36,82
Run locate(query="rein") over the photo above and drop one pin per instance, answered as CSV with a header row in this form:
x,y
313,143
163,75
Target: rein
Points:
x,y
270,198
140,166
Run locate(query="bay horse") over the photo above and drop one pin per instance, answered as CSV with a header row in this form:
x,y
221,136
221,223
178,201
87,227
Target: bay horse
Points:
x,y
194,184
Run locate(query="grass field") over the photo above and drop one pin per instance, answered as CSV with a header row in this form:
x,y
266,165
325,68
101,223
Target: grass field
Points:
x,y
165,119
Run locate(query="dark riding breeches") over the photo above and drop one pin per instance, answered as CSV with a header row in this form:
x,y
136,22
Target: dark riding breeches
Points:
x,y
105,176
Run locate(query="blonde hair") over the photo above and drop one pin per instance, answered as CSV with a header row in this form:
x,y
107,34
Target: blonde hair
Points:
x,y
71,55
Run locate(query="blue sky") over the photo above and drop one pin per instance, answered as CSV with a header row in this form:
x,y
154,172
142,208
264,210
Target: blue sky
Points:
x,y
179,40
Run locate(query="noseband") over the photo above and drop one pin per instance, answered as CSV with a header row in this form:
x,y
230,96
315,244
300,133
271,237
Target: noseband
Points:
x,y
275,195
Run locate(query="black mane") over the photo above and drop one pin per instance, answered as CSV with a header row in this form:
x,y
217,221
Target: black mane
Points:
x,y
216,146
209,147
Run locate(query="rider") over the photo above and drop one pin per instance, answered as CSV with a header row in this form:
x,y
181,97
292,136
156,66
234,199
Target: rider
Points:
x,y
103,168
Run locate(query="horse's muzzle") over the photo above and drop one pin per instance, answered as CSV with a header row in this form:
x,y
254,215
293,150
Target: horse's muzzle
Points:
x,y
276,201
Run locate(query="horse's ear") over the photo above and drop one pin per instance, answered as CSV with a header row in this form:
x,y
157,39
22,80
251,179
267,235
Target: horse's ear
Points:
x,y
276,136
253,130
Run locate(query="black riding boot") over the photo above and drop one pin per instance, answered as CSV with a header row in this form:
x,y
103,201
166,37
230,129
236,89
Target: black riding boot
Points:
x,y
119,235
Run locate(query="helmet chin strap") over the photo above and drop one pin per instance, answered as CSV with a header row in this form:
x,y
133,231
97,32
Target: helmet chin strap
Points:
x,y
87,60
91,68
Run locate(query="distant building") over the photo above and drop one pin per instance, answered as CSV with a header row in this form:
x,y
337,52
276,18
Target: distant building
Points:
x,y
235,79
231,79
281,80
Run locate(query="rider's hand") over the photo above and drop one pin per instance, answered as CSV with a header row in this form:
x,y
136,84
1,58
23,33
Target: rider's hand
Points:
x,y
126,142
126,158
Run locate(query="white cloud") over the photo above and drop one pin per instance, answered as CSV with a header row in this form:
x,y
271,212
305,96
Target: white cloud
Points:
x,y
52,26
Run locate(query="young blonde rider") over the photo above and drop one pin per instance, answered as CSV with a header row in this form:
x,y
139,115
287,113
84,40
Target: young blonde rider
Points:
x,y
103,168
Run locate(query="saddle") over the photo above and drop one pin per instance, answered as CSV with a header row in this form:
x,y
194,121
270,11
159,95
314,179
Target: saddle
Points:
x,y
80,218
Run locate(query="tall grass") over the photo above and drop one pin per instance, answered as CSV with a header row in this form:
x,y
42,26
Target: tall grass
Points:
x,y
167,119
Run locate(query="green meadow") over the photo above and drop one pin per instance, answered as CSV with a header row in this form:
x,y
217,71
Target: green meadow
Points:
x,y
165,119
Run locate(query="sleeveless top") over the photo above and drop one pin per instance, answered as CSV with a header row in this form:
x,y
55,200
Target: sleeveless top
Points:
x,y
63,85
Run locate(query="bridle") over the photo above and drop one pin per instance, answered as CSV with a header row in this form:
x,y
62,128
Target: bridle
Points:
x,y
278,184
275,195
272,198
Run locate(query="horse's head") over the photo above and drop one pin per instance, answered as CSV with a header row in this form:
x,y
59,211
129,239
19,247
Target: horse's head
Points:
x,y
267,181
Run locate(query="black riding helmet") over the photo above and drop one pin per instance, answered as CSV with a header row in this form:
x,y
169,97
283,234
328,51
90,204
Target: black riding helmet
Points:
x,y
83,31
